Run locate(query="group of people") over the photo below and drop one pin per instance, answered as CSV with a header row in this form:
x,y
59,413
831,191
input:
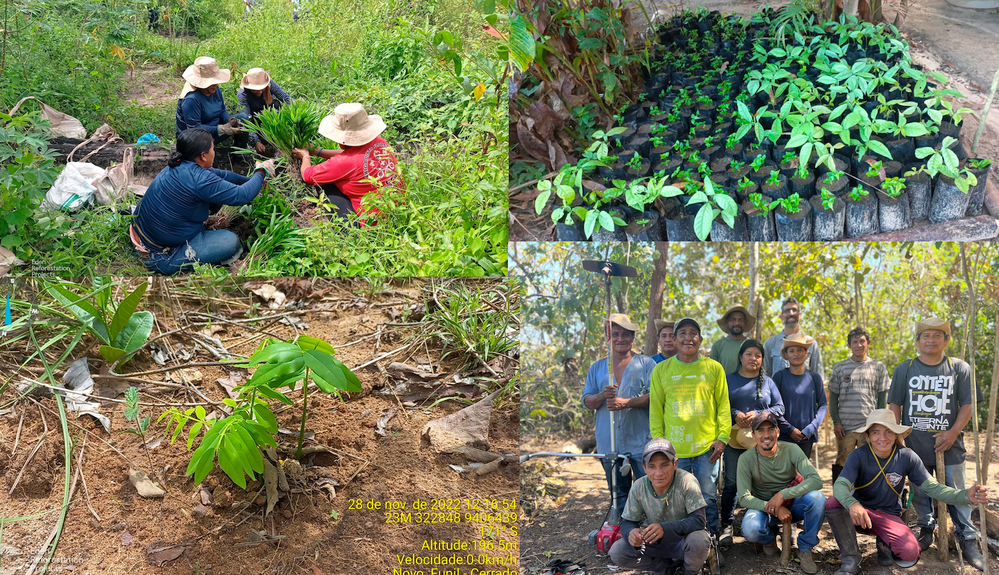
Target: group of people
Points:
x,y
758,407
168,230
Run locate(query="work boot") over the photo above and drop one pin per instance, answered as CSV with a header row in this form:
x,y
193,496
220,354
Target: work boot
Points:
x,y
925,538
884,553
969,547
807,563
846,539
770,549
725,538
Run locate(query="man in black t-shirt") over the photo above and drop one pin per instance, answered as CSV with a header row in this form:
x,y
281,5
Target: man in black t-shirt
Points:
x,y
868,495
932,393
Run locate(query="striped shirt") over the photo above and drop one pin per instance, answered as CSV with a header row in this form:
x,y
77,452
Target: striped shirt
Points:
x,y
858,384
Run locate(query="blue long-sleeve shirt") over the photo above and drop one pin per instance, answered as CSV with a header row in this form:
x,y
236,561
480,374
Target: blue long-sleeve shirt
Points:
x,y
742,396
804,403
177,202
250,104
196,110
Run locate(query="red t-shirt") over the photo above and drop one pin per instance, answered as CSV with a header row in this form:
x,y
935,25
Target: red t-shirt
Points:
x,y
350,168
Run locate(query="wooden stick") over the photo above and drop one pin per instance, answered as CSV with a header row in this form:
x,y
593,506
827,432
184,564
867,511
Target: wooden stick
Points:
x,y
785,544
943,545
993,395
974,411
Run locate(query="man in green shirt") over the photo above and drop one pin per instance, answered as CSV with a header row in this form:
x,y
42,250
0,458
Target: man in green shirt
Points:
x,y
689,405
735,323
668,500
772,494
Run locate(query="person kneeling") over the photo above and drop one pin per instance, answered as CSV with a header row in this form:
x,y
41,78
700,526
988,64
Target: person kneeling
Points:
x,y
670,500
777,484
875,507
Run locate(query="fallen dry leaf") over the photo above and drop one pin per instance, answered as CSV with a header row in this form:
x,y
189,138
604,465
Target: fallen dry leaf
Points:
x,y
158,554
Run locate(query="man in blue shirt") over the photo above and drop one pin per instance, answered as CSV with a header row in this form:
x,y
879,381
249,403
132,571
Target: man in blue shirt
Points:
x,y
201,104
667,341
629,399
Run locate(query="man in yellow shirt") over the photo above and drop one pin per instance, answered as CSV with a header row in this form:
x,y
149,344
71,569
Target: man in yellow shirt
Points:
x,y
689,406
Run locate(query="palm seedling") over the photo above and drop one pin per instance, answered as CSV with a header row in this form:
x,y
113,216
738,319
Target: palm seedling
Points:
x,y
292,126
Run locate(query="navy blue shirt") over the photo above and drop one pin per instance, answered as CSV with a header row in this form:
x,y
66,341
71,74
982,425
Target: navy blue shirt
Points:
x,y
742,396
250,104
176,205
884,492
196,110
659,358
804,404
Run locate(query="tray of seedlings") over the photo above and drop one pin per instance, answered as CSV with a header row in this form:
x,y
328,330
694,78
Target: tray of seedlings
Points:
x,y
757,130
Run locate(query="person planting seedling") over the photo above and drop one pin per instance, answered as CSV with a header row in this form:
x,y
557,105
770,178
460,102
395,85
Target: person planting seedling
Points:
x,y
346,175
258,91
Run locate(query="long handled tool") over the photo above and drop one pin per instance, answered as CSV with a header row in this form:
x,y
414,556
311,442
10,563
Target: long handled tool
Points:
x,y
609,270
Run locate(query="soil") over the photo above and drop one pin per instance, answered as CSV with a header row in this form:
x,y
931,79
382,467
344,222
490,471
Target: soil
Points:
x,y
110,529
574,500
152,85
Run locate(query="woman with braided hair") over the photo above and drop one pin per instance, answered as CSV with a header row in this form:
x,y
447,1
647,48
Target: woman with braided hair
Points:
x,y
804,394
750,392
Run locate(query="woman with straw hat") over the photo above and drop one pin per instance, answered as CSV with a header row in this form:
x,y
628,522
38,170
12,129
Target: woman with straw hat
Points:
x,y
869,495
201,104
750,393
258,91
346,174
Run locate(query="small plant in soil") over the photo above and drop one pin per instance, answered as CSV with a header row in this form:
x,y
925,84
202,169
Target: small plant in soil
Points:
x,y
790,204
731,141
736,165
709,141
745,183
801,172
657,141
944,161
704,169
658,128
774,178
832,176
635,162
874,170
788,157
655,111
858,192
141,423
979,163
828,199
715,203
758,162
760,204
893,187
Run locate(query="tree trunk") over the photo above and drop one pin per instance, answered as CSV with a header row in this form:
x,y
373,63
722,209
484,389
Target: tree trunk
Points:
x,y
656,298
990,430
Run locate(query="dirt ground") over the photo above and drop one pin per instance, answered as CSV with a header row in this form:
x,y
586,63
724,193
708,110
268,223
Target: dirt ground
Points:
x,y
218,527
579,489
152,84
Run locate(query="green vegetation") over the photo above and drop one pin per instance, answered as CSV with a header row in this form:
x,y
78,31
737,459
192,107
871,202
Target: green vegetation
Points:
x,y
434,72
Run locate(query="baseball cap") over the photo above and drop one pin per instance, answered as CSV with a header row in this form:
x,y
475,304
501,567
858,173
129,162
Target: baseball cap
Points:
x,y
659,445
684,321
763,417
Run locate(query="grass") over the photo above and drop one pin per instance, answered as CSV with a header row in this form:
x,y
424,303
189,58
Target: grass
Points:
x,y
452,146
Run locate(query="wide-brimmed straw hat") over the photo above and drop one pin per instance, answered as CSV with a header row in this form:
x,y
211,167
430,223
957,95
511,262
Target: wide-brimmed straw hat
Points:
x,y
795,339
622,320
742,438
886,418
661,323
256,79
750,319
933,323
350,125
205,72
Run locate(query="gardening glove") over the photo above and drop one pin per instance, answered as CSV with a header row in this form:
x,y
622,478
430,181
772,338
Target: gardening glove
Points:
x,y
267,167
230,128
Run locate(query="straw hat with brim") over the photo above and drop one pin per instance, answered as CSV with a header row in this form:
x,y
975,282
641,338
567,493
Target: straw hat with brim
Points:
x,y
350,125
750,319
256,79
742,438
795,339
886,418
205,72
661,323
623,321
933,323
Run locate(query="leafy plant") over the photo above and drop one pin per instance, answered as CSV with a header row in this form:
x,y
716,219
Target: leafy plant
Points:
x,y
291,126
893,187
715,204
657,141
828,199
790,203
758,162
635,162
944,161
801,172
745,183
979,163
234,439
760,204
789,157
875,169
736,165
832,176
858,192
119,327
731,141
774,178
141,423
914,171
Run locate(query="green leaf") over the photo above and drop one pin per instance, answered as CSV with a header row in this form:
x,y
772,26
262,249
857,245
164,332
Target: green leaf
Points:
x,y
522,48
590,222
276,352
879,148
606,221
229,462
125,310
702,222
266,417
136,331
541,201
111,354
193,433
331,372
307,343
83,310
915,130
